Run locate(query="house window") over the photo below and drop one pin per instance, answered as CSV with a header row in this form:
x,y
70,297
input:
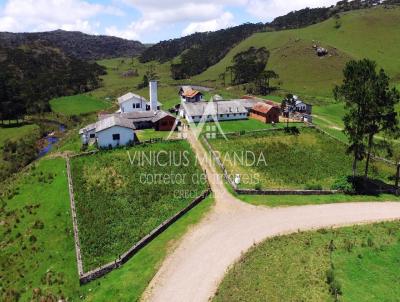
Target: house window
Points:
x,y
115,137
92,135
137,105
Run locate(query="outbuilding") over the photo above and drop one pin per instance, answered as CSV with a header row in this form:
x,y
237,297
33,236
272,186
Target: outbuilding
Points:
x,y
109,132
265,113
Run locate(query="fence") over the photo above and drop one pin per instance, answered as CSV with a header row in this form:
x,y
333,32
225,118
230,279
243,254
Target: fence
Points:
x,y
105,269
234,186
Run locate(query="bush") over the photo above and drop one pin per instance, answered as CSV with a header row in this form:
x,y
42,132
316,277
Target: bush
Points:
x,y
257,187
344,184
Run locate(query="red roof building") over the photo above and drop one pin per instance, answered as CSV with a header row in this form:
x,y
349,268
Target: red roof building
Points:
x,y
265,113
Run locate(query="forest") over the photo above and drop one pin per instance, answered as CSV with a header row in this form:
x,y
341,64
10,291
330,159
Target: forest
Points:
x,y
33,74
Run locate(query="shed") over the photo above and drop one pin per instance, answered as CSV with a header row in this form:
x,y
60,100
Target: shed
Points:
x,y
265,113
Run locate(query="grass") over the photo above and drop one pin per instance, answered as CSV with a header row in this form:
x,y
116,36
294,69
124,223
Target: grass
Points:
x,y
129,282
15,132
148,134
294,200
243,125
37,240
78,104
279,160
39,197
119,203
302,72
295,267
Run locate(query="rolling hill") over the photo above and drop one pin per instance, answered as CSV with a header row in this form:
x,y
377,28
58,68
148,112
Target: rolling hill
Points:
x,y
77,44
370,33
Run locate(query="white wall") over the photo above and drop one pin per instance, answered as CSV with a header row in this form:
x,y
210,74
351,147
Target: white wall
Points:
x,y
105,137
224,117
86,136
127,106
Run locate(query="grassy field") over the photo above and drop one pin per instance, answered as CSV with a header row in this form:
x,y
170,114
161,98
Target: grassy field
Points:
x,y
15,132
294,200
309,160
37,241
119,203
242,125
363,263
129,282
302,72
78,104
38,253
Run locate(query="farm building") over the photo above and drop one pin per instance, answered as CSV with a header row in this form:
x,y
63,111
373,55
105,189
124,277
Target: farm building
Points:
x,y
190,95
211,111
303,107
131,102
265,113
158,120
111,131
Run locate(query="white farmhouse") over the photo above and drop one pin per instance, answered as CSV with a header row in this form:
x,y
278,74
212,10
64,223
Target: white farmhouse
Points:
x,y
109,132
132,102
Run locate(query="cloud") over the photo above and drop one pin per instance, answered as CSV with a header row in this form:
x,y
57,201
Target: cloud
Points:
x,y
41,15
224,21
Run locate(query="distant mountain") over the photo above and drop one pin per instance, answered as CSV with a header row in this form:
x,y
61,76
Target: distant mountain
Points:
x,y
77,44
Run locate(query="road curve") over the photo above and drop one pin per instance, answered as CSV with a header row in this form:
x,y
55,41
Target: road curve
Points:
x,y
193,271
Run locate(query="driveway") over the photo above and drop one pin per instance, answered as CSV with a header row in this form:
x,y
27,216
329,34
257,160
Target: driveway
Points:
x,y
193,271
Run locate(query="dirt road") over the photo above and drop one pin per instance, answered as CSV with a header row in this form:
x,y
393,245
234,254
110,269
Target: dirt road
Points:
x,y
194,269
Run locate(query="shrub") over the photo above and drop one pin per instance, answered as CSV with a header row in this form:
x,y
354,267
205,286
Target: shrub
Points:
x,y
344,184
257,187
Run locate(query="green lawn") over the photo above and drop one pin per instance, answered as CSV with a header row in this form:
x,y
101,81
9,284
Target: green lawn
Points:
x,y
38,250
15,132
118,203
242,125
78,104
295,267
147,134
279,160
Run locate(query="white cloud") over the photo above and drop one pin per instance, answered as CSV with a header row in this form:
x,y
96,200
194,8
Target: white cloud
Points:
x,y
40,15
224,21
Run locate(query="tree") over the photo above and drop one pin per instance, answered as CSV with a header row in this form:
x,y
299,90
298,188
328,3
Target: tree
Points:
x,y
382,116
150,75
357,91
287,106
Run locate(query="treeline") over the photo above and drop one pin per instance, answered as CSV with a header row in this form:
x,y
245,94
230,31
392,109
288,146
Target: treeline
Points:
x,y
200,50
250,68
33,74
308,16
76,44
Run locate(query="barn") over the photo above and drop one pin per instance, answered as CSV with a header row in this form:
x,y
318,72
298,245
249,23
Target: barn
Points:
x,y
265,113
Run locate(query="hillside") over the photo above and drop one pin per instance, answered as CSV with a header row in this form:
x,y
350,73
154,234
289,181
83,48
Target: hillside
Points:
x,y
77,44
33,74
360,34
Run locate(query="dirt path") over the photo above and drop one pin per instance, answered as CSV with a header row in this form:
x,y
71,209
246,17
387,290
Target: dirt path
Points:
x,y
194,269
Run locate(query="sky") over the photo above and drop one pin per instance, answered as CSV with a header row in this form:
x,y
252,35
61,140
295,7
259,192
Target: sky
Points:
x,y
148,21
